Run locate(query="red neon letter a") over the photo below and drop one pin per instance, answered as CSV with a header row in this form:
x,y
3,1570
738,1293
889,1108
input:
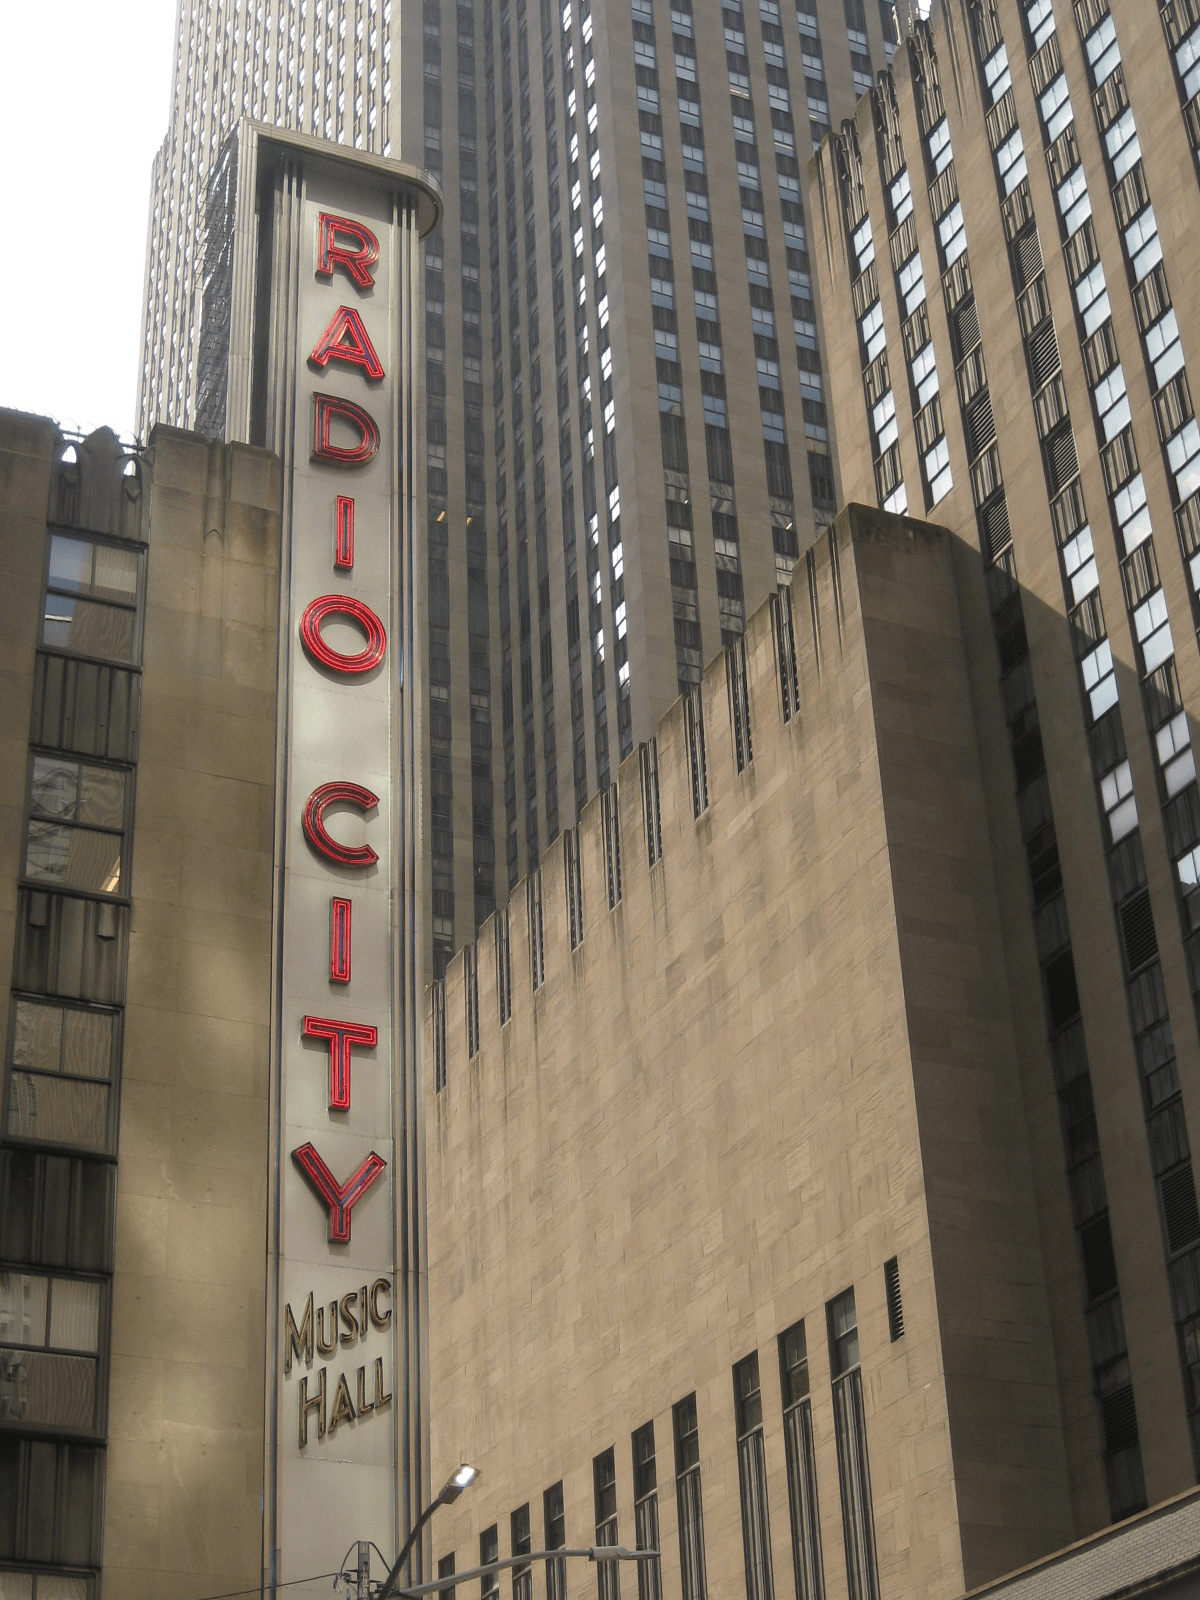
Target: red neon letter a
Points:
x,y
346,244
341,1198
345,339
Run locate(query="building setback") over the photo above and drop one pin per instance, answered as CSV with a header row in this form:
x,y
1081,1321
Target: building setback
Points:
x,y
1006,227
579,575
747,1212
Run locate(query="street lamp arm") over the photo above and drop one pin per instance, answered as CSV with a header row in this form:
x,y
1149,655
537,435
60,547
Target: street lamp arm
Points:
x,y
593,1552
389,1583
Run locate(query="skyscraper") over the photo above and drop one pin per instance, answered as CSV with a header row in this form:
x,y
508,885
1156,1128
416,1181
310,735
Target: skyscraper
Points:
x,y
612,482
1008,223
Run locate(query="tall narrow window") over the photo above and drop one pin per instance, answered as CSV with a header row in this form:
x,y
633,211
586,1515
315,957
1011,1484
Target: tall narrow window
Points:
x,y
651,810
489,1552
522,1575
801,1465
471,991
752,1479
645,1512
446,1570
784,631
858,1523
439,1035
693,726
503,965
537,941
574,879
689,1500
556,1538
739,703
611,819
604,1484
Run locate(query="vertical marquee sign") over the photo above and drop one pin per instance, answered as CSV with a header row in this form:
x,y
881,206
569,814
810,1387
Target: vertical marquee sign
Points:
x,y
333,368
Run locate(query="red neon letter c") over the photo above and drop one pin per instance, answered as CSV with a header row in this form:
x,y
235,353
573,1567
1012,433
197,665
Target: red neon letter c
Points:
x,y
360,855
341,605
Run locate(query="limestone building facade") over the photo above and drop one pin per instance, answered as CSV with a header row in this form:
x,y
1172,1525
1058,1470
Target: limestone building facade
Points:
x,y
751,1229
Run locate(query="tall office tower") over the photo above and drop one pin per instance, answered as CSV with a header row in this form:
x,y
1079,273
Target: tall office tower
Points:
x,y
627,433
637,268
327,74
1008,265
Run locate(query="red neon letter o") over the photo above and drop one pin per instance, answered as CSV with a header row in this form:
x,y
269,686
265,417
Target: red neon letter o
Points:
x,y
341,605
359,855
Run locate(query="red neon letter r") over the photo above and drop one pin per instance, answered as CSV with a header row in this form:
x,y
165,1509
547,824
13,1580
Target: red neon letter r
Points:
x,y
346,244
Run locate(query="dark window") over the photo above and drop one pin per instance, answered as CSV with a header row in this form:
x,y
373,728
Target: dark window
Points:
x,y
604,1487
739,703
752,1480
690,1502
693,722
556,1538
51,1498
471,991
645,1512
784,633
439,1036
854,1476
574,880
503,965
651,812
801,1465
489,1552
537,942
611,818
522,1576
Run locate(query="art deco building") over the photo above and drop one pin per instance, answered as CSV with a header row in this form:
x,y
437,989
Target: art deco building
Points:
x,y
1004,239
751,1236
624,260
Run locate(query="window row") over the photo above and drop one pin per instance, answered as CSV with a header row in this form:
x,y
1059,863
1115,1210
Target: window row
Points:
x,y
800,1489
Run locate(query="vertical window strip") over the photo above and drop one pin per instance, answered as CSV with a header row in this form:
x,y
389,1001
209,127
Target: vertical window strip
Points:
x,y
574,882
693,723
690,1501
503,964
645,1512
439,1035
651,808
611,825
850,1427
471,996
739,703
783,630
752,1480
556,1539
804,1512
522,1575
604,1487
537,939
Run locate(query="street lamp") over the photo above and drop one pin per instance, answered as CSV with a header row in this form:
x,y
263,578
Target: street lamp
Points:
x,y
591,1552
449,1492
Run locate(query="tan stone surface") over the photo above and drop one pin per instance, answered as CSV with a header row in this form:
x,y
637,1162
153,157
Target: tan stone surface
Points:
x,y
184,1495
785,1057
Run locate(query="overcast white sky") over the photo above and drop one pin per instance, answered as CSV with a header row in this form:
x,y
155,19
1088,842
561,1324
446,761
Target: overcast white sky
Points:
x,y
84,87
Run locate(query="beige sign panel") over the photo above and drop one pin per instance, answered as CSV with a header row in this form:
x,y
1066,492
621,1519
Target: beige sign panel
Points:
x,y
332,375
